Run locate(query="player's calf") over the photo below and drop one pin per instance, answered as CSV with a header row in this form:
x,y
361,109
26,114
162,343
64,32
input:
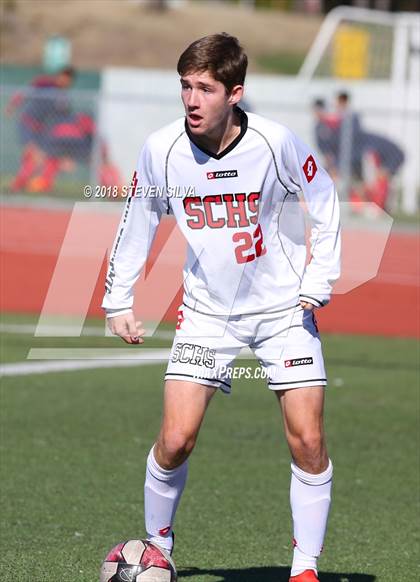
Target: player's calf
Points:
x,y
162,492
310,498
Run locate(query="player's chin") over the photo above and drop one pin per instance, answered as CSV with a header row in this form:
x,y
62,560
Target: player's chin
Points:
x,y
196,128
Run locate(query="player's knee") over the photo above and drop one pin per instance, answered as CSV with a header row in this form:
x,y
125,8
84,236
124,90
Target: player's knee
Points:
x,y
175,447
309,446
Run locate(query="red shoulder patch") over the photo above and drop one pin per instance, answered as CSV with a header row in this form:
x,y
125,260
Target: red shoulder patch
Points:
x,y
310,168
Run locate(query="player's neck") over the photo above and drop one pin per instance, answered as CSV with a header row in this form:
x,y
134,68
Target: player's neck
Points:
x,y
223,136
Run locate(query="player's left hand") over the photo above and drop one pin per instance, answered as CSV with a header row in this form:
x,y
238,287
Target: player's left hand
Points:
x,y
306,305
127,328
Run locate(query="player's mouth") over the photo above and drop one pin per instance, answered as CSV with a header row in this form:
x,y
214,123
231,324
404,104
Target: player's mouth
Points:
x,y
194,120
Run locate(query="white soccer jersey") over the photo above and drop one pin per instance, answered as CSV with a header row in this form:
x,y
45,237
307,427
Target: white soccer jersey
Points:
x,y
241,216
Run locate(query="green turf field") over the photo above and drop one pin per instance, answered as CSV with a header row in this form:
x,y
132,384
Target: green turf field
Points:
x,y
73,449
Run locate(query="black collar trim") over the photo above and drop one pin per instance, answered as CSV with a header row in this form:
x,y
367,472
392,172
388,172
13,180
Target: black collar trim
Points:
x,y
231,146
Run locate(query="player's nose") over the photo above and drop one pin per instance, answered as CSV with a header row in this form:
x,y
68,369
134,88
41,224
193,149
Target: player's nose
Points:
x,y
193,99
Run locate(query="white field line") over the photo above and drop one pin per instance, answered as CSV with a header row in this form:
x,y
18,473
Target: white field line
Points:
x,y
69,359
57,365
135,353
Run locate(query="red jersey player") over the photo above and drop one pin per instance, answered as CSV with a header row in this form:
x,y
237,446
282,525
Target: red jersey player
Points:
x,y
44,103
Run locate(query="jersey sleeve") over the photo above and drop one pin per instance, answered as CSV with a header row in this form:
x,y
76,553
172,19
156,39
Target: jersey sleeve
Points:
x,y
135,234
302,172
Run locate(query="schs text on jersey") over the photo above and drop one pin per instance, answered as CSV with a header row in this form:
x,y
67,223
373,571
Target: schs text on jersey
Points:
x,y
222,210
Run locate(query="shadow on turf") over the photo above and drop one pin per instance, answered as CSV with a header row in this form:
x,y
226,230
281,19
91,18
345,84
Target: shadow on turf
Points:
x,y
268,574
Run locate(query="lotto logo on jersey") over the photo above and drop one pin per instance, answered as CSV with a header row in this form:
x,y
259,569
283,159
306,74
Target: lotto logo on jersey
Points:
x,y
310,168
222,174
298,362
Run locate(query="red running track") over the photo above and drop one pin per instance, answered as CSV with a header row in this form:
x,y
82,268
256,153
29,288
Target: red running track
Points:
x,y
31,240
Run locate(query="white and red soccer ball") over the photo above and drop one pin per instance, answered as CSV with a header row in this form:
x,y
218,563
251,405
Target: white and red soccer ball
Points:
x,y
138,561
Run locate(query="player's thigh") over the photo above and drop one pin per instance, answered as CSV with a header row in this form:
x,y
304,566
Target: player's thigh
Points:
x,y
290,351
303,412
184,406
203,350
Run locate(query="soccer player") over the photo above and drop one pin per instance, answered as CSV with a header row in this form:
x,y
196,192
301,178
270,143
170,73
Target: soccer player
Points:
x,y
246,281
385,157
44,104
326,134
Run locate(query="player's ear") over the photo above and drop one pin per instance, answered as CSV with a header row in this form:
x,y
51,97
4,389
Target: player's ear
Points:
x,y
236,94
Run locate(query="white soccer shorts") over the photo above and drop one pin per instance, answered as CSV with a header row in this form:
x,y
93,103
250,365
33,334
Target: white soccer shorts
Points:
x,y
286,344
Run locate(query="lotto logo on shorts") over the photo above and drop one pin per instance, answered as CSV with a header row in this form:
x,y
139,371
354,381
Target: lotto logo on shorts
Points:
x,y
310,168
222,174
298,362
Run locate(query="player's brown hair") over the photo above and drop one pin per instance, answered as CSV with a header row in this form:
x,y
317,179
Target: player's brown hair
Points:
x,y
220,54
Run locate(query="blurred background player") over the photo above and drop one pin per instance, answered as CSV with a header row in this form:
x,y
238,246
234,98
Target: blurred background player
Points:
x,y
384,159
65,143
71,142
44,103
326,136
55,138
371,158
365,160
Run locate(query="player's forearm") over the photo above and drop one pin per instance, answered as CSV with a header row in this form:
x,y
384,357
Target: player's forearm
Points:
x,y
123,271
122,276
135,235
324,268
117,302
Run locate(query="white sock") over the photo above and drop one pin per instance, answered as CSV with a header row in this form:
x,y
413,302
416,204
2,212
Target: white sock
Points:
x,y
310,498
162,492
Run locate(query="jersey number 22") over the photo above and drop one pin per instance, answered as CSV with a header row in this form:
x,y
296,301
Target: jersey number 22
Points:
x,y
248,242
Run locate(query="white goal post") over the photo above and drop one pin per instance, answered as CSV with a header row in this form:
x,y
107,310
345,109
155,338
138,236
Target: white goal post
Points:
x,y
405,63
373,52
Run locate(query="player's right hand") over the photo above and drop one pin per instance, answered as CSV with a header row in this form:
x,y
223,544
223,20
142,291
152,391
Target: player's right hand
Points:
x,y
127,328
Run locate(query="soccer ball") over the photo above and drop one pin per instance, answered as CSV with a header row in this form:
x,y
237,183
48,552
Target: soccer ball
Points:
x,y
138,561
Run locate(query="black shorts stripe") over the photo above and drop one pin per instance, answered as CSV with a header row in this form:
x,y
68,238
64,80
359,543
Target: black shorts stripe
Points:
x,y
297,382
199,378
317,301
